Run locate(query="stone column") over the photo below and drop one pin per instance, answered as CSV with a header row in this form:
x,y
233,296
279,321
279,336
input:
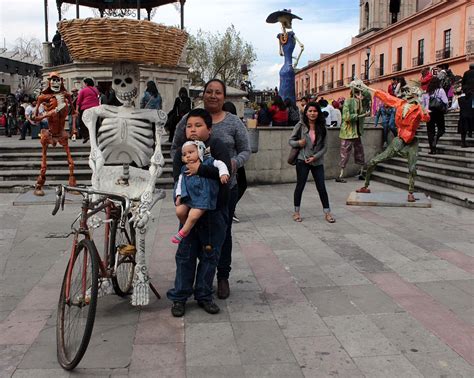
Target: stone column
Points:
x,y
47,48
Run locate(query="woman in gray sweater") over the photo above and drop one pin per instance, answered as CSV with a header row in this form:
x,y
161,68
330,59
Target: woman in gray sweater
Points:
x,y
230,130
310,136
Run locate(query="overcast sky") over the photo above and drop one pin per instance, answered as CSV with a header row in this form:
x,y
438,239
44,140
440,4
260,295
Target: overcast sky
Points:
x,y
327,26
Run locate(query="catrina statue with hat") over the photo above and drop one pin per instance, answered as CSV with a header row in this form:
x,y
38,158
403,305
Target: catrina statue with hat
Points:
x,y
409,114
287,43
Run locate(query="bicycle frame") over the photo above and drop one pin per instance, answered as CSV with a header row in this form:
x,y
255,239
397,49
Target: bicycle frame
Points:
x,y
88,209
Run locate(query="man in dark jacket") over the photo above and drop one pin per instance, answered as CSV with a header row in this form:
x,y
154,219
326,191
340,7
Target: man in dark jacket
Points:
x,y
468,80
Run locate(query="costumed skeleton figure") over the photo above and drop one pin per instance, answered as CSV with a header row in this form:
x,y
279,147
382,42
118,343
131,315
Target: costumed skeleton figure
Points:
x,y
354,111
408,116
56,101
126,136
287,42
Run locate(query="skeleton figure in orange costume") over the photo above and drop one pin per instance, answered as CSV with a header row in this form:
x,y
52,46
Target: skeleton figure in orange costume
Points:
x,y
56,101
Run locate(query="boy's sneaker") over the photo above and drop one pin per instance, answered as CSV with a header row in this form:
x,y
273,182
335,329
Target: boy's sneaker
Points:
x,y
178,309
235,219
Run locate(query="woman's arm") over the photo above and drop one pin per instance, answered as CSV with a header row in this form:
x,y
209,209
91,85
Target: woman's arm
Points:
x,y
295,136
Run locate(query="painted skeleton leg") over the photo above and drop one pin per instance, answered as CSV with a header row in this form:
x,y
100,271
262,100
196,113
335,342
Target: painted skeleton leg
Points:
x,y
72,179
42,176
141,279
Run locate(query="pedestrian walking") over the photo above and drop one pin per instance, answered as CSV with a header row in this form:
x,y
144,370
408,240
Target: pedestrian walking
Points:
x,y
437,102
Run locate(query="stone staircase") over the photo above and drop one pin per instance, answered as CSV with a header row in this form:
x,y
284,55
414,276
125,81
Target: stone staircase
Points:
x,y
20,162
448,175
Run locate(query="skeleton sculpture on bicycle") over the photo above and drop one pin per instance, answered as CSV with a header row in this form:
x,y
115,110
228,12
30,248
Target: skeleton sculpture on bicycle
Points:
x,y
56,101
124,143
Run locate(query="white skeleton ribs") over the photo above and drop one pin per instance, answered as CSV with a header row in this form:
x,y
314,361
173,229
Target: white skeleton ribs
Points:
x,y
126,137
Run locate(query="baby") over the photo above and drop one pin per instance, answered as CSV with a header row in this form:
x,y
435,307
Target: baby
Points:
x,y
195,194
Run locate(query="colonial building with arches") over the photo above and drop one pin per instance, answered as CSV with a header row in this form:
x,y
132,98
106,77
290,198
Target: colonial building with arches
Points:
x,y
396,38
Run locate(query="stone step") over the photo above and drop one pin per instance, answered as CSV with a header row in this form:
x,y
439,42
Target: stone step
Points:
x,y
23,186
460,184
52,164
55,174
443,169
458,161
445,194
447,140
445,149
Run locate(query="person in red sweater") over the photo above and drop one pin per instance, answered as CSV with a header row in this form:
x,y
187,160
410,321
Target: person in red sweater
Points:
x,y
88,98
279,112
408,116
426,77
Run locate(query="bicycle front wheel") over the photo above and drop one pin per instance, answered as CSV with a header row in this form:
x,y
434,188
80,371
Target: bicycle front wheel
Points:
x,y
122,248
76,308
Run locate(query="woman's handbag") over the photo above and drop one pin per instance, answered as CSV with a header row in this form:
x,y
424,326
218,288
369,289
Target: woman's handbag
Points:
x,y
437,105
292,157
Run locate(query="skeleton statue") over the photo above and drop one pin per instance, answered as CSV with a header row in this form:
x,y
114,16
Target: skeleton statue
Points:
x,y
126,137
56,101
287,43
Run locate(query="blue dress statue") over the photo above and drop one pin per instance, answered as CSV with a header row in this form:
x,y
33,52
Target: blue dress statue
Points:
x,y
288,41
287,73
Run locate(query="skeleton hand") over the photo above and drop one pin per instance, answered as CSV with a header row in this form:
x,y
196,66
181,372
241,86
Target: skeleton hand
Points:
x,y
142,216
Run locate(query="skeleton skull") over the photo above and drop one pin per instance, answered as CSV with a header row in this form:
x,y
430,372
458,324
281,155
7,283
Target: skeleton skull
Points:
x,y
55,82
125,81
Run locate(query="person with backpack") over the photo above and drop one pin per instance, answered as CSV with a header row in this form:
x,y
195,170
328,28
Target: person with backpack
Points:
x,y
181,107
293,112
437,102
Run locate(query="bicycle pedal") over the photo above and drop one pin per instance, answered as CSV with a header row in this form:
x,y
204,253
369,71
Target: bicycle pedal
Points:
x,y
126,249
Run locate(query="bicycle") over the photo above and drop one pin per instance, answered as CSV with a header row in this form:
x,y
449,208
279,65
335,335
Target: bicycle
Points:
x,y
87,273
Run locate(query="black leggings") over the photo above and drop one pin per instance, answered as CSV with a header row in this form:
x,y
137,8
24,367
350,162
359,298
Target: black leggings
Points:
x,y
436,119
302,172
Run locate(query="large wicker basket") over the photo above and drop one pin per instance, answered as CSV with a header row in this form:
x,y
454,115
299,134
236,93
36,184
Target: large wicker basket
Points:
x,y
112,40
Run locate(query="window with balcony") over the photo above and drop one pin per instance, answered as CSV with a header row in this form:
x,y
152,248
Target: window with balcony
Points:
x,y
353,71
398,65
419,60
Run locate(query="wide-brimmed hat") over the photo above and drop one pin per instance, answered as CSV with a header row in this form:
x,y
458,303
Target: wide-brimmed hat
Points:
x,y
273,17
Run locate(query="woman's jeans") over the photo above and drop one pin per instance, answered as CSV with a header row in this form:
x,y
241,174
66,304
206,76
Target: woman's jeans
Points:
x,y
302,172
203,243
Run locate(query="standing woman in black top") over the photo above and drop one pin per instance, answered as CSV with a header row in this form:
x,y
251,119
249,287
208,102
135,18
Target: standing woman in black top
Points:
x,y
310,136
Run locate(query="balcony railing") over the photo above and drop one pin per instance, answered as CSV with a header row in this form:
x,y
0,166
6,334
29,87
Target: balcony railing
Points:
x,y
330,85
339,83
397,67
378,72
444,53
349,79
321,88
363,76
417,61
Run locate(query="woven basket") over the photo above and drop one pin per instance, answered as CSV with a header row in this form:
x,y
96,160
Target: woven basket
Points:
x,y
112,40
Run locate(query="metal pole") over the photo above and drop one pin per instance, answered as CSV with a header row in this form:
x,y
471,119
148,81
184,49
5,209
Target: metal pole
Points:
x,y
182,13
46,20
138,9
77,8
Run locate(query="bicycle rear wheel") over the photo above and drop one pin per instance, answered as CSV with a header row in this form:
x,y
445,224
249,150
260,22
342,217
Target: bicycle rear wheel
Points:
x,y
76,313
123,248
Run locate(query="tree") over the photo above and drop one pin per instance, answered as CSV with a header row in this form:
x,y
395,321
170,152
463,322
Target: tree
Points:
x,y
219,56
28,48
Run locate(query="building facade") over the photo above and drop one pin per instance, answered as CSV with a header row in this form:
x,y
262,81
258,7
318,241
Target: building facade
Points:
x,y
396,38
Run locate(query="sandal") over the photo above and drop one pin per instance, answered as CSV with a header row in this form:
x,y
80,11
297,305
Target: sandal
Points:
x,y
329,218
297,218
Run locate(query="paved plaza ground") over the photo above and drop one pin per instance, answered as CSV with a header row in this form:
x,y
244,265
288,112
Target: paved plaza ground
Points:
x,y
383,292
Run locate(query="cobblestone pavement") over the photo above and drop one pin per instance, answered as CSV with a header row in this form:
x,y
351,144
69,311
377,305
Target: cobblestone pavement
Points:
x,y
383,292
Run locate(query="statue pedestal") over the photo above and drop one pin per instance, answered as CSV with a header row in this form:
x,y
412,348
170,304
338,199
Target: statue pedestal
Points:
x,y
390,199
